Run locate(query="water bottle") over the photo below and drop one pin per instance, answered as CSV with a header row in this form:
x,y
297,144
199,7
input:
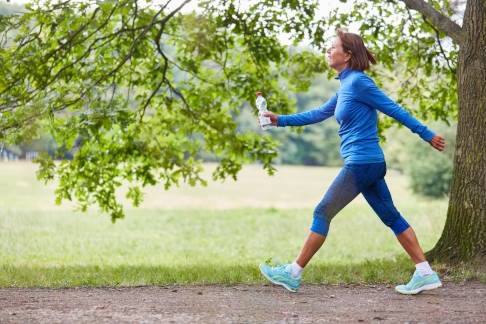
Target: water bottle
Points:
x,y
261,104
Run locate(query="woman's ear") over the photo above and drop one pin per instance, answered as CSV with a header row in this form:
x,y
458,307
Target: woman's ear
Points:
x,y
347,56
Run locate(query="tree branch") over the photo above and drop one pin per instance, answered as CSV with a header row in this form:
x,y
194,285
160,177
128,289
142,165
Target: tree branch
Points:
x,y
154,92
443,23
164,21
73,35
440,44
144,29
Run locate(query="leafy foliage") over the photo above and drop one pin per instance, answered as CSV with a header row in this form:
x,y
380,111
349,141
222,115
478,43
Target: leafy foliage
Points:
x,y
104,79
138,91
430,172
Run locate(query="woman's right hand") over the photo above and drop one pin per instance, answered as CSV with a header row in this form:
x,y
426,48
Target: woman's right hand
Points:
x,y
273,118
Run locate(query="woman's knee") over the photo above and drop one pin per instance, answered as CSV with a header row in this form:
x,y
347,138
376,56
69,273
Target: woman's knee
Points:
x,y
323,215
320,225
397,223
324,210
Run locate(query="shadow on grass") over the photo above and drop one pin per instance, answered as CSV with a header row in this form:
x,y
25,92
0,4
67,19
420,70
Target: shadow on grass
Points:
x,y
386,271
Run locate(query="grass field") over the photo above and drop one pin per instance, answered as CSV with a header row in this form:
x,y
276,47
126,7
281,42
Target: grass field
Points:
x,y
217,234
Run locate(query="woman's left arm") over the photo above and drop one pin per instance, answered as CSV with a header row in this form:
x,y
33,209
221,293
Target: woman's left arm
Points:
x,y
372,96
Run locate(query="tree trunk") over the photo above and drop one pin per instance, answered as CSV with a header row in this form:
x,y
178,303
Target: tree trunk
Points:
x,y
464,234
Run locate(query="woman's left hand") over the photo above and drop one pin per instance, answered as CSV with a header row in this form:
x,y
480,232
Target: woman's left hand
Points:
x,y
438,142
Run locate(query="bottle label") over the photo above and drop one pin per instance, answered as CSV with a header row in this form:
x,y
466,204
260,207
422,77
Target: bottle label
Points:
x,y
265,120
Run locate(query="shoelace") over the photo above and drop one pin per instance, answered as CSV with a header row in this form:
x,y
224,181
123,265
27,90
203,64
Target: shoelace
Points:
x,y
279,263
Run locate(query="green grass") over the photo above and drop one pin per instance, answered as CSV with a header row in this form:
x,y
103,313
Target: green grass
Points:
x,y
188,242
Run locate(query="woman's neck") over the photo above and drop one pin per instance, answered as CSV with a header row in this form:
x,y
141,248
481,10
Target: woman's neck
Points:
x,y
341,68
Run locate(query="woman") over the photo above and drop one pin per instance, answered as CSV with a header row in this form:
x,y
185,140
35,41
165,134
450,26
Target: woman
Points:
x,y
354,106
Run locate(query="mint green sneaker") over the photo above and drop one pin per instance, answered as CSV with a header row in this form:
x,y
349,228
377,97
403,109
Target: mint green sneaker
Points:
x,y
280,275
419,283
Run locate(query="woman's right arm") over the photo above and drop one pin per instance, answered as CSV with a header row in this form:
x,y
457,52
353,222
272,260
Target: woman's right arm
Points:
x,y
305,118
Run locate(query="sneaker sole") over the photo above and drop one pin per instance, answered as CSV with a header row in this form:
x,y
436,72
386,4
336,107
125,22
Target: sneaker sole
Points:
x,y
419,290
277,283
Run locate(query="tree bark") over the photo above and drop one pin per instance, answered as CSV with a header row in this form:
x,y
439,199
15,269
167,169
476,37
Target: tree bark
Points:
x,y
464,234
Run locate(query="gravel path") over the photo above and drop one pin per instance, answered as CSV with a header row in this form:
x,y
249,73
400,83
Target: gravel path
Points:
x,y
453,303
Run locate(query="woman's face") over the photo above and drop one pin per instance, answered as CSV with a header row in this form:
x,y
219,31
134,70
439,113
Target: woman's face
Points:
x,y
336,56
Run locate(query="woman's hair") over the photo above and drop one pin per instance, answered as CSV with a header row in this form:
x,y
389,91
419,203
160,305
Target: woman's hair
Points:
x,y
361,57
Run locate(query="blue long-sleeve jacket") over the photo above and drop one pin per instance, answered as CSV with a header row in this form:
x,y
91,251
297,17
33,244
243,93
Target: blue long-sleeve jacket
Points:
x,y
354,106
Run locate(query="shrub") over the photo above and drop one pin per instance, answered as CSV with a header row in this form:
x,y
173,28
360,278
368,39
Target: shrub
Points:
x,y
429,170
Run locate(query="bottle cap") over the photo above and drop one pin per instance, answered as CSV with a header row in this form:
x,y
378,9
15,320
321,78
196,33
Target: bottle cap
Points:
x,y
258,93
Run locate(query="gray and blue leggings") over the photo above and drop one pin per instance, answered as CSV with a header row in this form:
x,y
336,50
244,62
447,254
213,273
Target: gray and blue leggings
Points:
x,y
368,179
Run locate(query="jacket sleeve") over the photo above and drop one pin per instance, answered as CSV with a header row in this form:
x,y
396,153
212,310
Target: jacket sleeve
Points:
x,y
309,117
371,95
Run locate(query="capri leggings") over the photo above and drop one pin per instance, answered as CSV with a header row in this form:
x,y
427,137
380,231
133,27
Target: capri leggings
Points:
x,y
368,179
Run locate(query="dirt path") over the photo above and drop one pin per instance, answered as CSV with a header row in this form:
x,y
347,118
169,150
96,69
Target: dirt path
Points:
x,y
454,303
